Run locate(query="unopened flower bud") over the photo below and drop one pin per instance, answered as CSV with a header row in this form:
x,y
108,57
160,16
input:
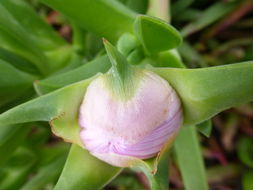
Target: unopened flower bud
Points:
x,y
120,125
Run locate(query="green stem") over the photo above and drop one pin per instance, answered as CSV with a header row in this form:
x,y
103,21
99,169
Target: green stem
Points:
x,y
160,9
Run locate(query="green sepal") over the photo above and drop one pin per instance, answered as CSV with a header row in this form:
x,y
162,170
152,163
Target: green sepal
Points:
x,y
120,66
83,171
207,91
156,35
59,108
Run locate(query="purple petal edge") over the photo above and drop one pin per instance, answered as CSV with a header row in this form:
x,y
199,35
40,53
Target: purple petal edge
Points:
x,y
148,147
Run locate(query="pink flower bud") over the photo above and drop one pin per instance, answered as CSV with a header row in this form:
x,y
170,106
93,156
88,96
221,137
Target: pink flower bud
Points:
x,y
119,130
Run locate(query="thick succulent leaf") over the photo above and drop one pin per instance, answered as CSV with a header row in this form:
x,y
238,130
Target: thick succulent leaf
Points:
x,y
207,91
16,39
138,6
190,160
13,83
18,62
109,19
40,33
156,35
83,171
10,138
17,170
46,174
60,108
101,64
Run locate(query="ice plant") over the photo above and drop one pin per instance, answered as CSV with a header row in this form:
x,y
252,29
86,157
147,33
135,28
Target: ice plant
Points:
x,y
120,113
128,113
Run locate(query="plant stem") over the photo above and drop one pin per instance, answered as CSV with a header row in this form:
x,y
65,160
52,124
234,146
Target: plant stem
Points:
x,y
160,9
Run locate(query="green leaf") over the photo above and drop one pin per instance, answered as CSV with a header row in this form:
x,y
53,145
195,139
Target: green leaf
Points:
x,y
168,58
18,62
100,64
40,33
156,35
190,160
108,19
60,108
205,127
31,37
11,138
138,6
46,174
207,91
16,39
13,83
127,43
17,170
209,16
245,151
83,171
179,7
247,180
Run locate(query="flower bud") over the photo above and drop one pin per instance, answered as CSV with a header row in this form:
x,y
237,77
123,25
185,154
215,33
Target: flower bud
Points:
x,y
128,114
117,128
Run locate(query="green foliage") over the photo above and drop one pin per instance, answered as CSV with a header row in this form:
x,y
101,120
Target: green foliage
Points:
x,y
245,151
108,19
81,171
13,82
190,160
216,91
156,35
